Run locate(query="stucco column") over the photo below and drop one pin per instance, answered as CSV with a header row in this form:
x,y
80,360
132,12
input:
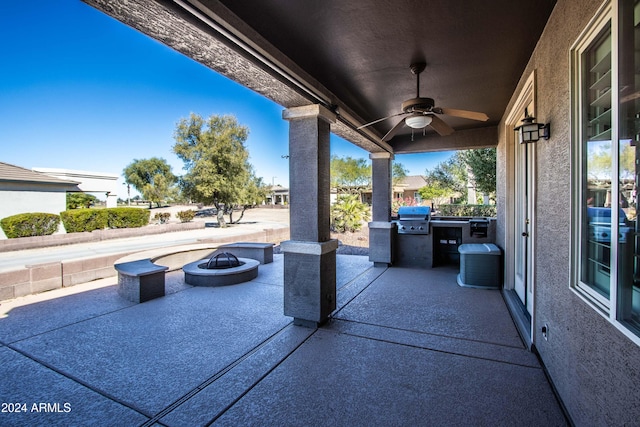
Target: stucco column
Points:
x,y
310,255
381,230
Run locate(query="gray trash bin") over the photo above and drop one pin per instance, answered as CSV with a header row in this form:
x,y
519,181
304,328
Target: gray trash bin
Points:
x,y
480,266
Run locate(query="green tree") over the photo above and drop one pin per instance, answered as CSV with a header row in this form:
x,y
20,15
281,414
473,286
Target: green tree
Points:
x,y
398,173
482,163
349,175
435,192
451,177
253,193
216,163
152,178
80,200
448,178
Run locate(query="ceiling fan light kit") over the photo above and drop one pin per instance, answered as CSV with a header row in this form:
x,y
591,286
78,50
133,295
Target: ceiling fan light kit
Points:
x,y
418,122
421,112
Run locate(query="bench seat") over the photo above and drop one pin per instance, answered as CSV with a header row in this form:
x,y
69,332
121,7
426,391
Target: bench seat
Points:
x,y
261,252
141,280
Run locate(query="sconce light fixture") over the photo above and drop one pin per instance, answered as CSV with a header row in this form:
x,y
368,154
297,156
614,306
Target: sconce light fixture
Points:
x,y
530,131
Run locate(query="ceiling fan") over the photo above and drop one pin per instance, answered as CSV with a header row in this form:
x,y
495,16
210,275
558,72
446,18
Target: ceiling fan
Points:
x,y
422,112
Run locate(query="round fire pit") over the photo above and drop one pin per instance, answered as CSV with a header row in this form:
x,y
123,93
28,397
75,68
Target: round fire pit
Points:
x,y
220,270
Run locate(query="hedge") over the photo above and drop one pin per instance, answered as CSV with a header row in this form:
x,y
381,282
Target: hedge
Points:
x,y
127,217
30,224
468,210
79,220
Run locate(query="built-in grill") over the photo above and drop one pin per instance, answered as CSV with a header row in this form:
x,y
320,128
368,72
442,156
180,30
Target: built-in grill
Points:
x,y
413,219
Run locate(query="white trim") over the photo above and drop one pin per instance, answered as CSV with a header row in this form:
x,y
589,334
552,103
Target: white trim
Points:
x,y
615,153
593,28
526,97
607,308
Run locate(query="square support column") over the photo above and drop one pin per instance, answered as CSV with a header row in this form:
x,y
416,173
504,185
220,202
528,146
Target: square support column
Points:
x,y
381,230
310,255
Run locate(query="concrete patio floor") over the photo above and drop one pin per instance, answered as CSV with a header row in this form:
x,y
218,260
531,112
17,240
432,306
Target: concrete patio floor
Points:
x,y
405,347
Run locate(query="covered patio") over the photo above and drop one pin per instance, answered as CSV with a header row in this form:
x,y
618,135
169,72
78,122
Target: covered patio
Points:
x,y
354,72
345,68
404,347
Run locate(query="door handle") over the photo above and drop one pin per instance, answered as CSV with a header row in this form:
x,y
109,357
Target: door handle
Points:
x,y
525,234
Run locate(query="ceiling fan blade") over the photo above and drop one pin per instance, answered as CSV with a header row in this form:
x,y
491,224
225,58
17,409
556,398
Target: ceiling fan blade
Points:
x,y
379,120
393,131
472,115
440,126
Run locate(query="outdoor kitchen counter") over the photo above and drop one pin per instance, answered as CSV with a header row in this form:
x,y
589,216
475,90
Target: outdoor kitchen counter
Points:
x,y
440,246
465,224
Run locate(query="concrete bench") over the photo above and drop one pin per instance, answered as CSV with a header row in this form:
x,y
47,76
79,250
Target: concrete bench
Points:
x,y
261,252
140,281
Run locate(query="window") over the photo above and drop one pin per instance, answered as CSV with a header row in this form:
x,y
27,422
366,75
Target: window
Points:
x,y
607,159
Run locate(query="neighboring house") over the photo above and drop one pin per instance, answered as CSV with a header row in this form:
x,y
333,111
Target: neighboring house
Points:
x,y
408,187
89,182
278,195
23,190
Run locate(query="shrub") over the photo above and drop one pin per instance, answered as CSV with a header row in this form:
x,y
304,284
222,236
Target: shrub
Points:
x,y
186,216
348,213
162,217
468,210
127,217
30,224
79,220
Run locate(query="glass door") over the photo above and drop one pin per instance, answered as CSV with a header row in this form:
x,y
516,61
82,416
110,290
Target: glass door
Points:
x,y
524,220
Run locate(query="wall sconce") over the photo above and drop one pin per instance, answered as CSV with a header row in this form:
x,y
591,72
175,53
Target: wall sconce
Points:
x,y
530,131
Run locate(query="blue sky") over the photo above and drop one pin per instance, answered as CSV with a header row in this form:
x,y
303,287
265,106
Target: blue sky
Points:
x,y
80,90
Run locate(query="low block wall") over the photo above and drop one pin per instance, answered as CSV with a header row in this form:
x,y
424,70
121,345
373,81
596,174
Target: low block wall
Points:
x,y
44,277
36,278
7,245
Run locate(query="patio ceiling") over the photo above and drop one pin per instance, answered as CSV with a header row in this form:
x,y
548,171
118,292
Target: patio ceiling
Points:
x,y
354,57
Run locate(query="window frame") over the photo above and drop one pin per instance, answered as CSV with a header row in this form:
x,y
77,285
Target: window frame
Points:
x,y
607,307
601,20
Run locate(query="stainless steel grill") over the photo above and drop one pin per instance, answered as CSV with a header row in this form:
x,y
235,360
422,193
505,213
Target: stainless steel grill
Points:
x,y
413,219
600,225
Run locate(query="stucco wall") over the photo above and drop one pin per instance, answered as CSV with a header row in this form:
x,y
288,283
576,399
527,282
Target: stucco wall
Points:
x,y
595,368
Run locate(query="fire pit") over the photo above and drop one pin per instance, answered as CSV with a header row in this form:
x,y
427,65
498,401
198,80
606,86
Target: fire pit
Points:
x,y
220,270
222,261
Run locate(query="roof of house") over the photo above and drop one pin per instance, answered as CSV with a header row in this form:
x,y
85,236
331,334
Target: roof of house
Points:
x,y
413,182
12,173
